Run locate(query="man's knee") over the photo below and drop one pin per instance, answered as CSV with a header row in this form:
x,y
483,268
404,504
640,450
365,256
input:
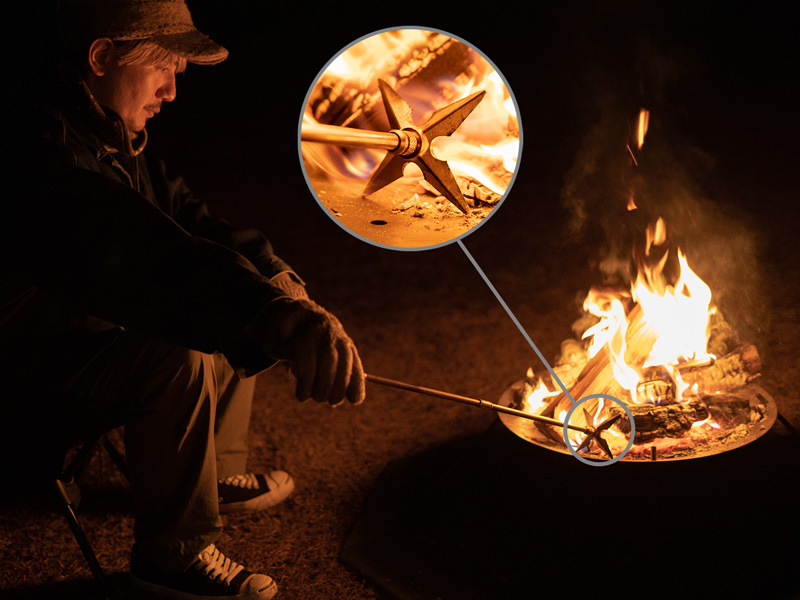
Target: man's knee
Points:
x,y
176,378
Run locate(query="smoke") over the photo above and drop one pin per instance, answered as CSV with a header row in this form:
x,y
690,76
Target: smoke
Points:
x,y
670,177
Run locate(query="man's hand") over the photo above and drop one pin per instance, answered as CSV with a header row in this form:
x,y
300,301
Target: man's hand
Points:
x,y
291,284
321,355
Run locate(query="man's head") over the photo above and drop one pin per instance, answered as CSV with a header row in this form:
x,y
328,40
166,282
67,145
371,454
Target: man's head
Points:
x,y
132,78
130,50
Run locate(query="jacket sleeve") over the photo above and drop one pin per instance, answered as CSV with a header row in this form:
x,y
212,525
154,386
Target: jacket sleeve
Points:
x,y
193,214
123,260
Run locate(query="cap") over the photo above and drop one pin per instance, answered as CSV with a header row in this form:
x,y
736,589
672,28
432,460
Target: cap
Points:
x,y
168,23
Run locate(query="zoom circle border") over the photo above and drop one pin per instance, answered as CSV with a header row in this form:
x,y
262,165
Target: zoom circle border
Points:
x,y
362,237
601,463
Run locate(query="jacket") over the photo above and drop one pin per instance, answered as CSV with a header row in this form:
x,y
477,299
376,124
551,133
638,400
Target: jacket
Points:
x,y
97,236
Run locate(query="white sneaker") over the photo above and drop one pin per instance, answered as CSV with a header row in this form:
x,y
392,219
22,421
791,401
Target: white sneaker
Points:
x,y
253,491
213,576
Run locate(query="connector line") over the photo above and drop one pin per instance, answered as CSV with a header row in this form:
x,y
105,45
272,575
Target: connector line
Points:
x,y
516,322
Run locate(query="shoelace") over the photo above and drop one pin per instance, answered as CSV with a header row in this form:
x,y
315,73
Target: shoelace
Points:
x,y
218,566
247,481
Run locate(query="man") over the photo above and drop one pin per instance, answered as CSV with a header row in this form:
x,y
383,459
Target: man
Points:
x,y
124,302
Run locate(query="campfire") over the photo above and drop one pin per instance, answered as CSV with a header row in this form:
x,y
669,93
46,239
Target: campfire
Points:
x,y
425,71
660,356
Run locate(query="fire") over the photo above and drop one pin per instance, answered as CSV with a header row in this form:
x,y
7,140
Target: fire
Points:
x,y
610,333
680,315
485,147
656,326
537,399
676,316
644,122
646,361
677,313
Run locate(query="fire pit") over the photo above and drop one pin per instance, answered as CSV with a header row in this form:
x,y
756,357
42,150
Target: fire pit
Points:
x,y
673,432
661,358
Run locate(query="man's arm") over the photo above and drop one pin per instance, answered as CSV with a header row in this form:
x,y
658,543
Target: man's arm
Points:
x,y
192,213
102,244
125,261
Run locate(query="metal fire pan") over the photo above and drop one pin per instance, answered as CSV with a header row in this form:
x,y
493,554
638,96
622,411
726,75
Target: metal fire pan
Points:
x,y
666,448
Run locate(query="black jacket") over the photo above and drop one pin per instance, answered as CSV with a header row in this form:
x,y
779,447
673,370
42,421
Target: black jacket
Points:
x,y
94,240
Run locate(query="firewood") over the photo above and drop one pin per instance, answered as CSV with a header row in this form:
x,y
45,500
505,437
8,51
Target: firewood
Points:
x,y
655,421
734,370
358,104
597,377
731,411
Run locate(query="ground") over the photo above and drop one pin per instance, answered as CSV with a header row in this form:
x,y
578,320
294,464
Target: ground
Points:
x,y
429,317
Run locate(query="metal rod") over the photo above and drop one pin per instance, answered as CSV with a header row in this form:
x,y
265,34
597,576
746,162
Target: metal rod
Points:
x,y
349,136
474,402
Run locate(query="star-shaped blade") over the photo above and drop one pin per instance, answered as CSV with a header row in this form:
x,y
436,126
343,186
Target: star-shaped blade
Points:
x,y
588,420
586,441
443,122
598,439
608,423
603,444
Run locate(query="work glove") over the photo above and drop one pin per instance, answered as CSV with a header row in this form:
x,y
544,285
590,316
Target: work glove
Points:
x,y
290,284
320,354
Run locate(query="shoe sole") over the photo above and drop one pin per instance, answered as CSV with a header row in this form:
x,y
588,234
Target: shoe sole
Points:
x,y
160,592
261,502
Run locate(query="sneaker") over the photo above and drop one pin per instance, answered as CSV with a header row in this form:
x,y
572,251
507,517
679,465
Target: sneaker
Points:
x,y
213,576
253,491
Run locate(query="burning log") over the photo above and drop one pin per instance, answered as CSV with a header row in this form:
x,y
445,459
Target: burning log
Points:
x,y
653,421
734,370
597,377
729,416
346,103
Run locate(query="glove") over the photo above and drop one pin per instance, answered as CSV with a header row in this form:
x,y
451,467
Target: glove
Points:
x,y
322,357
290,283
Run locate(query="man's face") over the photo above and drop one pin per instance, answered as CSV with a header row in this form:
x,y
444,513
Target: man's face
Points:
x,y
135,92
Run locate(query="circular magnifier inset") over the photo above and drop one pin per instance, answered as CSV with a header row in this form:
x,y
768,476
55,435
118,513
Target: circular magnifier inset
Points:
x,y
409,138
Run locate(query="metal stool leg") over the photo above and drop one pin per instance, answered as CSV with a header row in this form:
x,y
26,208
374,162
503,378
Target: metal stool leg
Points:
x,y
69,495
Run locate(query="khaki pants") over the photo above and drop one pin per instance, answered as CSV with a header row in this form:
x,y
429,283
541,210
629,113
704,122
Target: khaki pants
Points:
x,y
186,415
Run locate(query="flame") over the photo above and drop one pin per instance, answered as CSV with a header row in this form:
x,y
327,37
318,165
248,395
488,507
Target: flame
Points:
x,y
484,148
669,331
610,333
644,122
680,315
537,398
373,56
708,421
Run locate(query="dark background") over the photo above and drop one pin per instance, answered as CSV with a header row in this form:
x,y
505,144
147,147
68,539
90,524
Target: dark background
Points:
x,y
719,162
718,77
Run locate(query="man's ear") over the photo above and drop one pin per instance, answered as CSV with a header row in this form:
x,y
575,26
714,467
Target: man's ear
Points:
x,y
101,52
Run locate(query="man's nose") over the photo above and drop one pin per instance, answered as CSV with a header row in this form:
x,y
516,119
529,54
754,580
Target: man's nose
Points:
x,y
168,90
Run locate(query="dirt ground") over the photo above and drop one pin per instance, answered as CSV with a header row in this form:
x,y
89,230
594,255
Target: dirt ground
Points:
x,y
428,318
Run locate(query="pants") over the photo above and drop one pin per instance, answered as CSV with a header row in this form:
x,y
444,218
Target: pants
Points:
x,y
186,415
